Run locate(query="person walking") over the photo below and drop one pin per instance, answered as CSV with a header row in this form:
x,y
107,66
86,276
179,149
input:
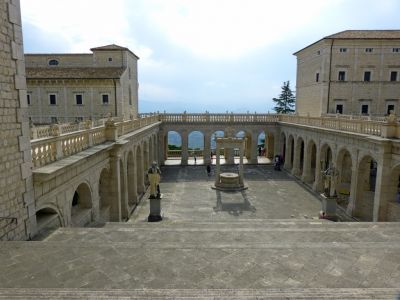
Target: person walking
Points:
x,y
208,170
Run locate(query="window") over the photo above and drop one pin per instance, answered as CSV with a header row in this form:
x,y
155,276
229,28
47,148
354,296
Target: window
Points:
x,y
53,99
318,52
78,119
53,62
342,76
390,108
369,50
342,50
364,109
339,108
79,99
367,76
110,59
104,99
28,99
393,76
54,120
396,49
317,77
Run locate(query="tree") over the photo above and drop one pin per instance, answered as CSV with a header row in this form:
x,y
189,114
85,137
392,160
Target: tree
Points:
x,y
285,102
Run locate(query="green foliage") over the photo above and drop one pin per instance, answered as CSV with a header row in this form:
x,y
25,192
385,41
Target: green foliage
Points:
x,y
285,102
173,147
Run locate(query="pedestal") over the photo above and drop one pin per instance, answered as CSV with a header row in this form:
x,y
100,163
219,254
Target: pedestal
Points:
x,y
329,205
155,209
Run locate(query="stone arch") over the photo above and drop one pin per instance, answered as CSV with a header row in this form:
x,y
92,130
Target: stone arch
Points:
x,y
282,147
196,143
242,133
81,205
173,142
146,156
131,179
48,219
290,153
326,156
344,165
364,202
299,159
104,195
139,172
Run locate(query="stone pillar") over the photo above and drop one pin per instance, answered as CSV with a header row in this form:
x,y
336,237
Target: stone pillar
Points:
x,y
217,167
207,148
241,175
307,164
353,188
382,189
296,158
253,149
114,188
277,143
185,152
288,165
318,176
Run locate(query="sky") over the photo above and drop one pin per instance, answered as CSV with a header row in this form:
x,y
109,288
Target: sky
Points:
x,y
202,55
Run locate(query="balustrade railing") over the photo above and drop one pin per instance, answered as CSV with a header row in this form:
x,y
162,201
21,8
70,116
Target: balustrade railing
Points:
x,y
51,143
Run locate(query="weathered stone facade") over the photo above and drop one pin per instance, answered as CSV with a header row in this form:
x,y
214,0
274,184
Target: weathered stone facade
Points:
x,y
351,72
16,187
75,87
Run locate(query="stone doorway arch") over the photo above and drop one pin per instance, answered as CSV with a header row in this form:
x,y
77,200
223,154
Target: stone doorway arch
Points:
x,y
81,206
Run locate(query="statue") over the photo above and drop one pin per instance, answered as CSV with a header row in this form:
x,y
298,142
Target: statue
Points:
x,y
330,176
154,177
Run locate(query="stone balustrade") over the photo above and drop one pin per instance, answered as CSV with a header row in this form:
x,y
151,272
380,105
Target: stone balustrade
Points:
x,y
52,143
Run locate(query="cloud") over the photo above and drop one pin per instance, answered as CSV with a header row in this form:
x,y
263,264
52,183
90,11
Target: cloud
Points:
x,y
227,29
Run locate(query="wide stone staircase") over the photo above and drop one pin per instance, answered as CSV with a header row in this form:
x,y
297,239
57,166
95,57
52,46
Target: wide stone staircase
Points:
x,y
211,259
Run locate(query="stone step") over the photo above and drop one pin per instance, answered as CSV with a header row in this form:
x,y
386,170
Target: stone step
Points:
x,y
239,237
293,293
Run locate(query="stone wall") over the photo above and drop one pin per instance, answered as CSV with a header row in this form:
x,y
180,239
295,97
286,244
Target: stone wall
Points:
x,y
16,187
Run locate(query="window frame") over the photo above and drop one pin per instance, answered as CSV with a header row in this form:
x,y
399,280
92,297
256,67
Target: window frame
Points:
x,y
317,77
76,99
387,108
29,99
395,50
342,78
361,109
369,50
367,76
102,99
343,50
53,62
341,110
55,99
396,76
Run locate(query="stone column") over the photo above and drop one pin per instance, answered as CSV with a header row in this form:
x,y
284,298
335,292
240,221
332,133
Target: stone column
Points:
x,y
353,188
114,188
307,164
241,150
296,158
288,165
184,153
229,152
253,149
217,167
277,143
318,176
382,188
207,148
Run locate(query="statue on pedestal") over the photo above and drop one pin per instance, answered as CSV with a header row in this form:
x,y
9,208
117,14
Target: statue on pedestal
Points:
x,y
155,196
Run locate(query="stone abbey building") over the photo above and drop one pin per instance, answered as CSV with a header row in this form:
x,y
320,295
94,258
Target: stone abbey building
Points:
x,y
351,72
64,88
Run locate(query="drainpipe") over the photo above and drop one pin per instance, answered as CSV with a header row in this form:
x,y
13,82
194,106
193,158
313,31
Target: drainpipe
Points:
x,y
329,77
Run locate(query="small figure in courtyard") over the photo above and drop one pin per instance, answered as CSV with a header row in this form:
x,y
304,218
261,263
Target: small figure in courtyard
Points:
x,y
154,174
195,159
209,170
259,151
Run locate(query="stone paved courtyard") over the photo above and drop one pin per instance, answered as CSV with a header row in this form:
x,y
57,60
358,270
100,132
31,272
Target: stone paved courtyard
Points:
x,y
258,244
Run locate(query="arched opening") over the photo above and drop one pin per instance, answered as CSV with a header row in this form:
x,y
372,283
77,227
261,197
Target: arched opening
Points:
x,y
81,206
247,147
393,201
326,157
312,152
291,152
151,150
47,220
265,148
139,172
213,142
364,204
132,195
344,167
104,194
146,156
196,148
300,155
174,148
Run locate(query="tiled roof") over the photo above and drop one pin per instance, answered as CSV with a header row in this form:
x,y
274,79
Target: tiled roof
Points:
x,y
366,34
73,73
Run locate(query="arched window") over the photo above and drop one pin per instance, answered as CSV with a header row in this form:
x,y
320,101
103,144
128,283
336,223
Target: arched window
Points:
x,y
53,62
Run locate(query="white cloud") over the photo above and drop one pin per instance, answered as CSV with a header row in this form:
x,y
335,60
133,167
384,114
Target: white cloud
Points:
x,y
231,28
83,23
